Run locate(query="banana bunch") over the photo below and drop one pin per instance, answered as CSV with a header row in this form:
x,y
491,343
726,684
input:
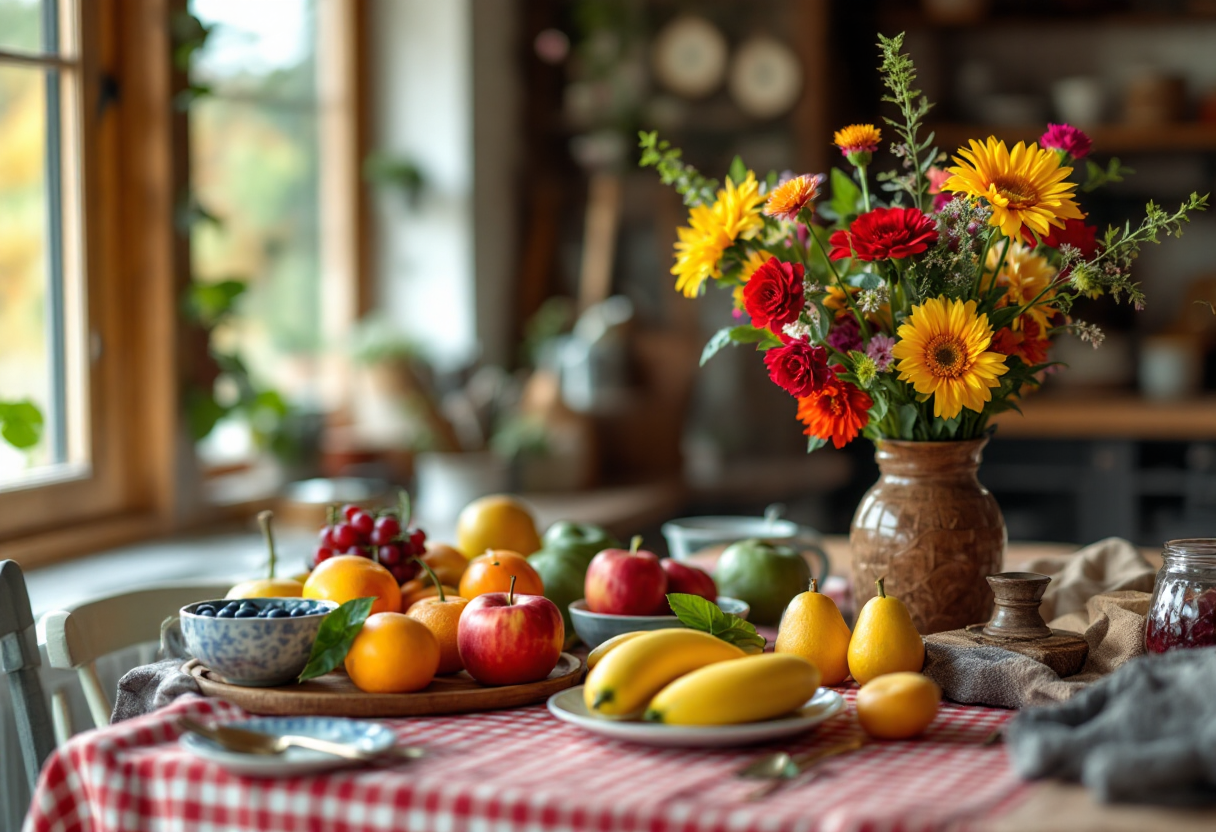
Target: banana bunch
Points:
x,y
687,677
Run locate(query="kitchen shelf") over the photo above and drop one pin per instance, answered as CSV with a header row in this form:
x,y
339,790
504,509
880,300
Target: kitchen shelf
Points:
x,y
1110,417
1108,138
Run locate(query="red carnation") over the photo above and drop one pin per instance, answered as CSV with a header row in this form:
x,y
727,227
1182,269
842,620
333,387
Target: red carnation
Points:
x,y
1077,234
773,296
885,233
798,368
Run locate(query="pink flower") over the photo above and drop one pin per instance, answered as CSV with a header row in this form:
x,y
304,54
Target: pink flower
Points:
x,y
1067,139
845,335
937,177
879,349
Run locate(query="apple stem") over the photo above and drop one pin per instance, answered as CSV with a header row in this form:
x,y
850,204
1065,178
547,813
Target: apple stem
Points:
x,y
264,518
635,544
814,584
882,593
511,593
434,578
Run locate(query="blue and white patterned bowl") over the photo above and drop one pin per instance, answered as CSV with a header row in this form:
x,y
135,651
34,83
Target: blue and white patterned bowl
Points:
x,y
255,652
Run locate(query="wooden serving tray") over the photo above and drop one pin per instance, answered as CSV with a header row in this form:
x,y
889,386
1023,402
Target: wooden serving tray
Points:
x,y
335,695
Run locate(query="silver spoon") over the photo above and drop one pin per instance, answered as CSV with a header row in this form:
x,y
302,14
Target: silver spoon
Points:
x,y
780,768
255,742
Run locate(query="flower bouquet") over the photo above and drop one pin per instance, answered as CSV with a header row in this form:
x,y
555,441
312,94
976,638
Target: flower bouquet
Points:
x,y
916,310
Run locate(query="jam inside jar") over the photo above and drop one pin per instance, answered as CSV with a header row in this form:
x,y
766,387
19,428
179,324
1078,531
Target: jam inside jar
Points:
x,y
1182,612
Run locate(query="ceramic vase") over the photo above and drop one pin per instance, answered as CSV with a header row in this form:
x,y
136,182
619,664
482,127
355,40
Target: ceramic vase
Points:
x,y
932,531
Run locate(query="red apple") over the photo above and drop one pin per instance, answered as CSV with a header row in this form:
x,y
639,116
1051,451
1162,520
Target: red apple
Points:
x,y
623,582
509,639
684,578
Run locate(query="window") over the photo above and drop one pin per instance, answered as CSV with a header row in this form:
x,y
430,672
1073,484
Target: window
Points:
x,y
42,325
266,142
93,264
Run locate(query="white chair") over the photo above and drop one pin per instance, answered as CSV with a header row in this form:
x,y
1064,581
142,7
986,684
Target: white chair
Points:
x,y
76,638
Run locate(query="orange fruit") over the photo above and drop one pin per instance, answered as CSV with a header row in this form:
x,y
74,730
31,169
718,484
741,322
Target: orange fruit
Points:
x,y
347,577
496,522
414,591
442,618
897,706
492,572
393,653
445,561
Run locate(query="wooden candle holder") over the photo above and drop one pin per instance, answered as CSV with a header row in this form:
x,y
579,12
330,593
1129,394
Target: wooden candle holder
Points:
x,y
1016,625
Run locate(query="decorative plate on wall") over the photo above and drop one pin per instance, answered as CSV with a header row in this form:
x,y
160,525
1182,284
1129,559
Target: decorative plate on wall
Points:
x,y
765,77
690,57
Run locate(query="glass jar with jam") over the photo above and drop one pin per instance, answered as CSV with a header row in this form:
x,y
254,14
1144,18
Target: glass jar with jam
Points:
x,y
1182,612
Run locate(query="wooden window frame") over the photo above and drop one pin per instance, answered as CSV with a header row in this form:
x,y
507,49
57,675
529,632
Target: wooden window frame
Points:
x,y
134,157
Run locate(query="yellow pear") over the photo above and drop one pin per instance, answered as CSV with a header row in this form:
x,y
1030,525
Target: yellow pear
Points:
x,y
884,639
814,629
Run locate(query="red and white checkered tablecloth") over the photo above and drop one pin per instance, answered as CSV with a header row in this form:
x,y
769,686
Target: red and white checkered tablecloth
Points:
x,y
524,770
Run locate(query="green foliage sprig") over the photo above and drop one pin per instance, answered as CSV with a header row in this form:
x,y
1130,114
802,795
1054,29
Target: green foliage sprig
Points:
x,y
687,180
899,75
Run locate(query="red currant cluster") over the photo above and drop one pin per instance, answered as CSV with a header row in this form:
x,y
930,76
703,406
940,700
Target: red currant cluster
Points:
x,y
377,536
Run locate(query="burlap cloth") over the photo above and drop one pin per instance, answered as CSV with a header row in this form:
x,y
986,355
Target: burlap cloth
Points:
x,y
1102,592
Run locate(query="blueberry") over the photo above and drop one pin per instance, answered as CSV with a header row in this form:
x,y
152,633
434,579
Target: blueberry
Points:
x,y
277,612
226,612
298,611
232,605
246,612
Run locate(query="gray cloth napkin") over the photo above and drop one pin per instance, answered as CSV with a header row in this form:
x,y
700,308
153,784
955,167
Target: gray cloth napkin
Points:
x,y
1144,734
149,687
155,685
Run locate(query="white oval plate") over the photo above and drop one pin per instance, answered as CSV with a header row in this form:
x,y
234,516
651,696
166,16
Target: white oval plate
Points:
x,y
368,736
568,706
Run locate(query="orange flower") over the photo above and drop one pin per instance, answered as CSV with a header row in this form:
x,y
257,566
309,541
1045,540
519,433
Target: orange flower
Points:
x,y
836,412
789,198
1028,343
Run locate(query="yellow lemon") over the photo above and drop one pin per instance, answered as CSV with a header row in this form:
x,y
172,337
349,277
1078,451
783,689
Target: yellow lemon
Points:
x,y
813,628
496,522
898,705
884,639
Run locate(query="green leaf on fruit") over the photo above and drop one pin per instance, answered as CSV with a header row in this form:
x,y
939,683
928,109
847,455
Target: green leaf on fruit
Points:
x,y
335,637
697,613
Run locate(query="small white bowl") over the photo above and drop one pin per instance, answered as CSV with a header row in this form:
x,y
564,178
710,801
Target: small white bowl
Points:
x,y
594,628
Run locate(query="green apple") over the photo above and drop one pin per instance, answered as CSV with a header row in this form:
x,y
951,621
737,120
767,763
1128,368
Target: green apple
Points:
x,y
563,575
767,577
581,540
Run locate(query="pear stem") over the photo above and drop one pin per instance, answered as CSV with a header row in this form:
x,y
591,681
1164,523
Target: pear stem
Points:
x,y
882,593
264,518
814,584
405,508
635,544
434,578
511,593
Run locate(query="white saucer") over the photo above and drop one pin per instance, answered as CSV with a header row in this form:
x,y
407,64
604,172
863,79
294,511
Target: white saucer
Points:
x,y
368,736
568,706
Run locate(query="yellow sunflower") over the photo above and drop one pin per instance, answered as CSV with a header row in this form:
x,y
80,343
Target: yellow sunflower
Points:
x,y
1024,275
712,230
943,352
753,262
1025,186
